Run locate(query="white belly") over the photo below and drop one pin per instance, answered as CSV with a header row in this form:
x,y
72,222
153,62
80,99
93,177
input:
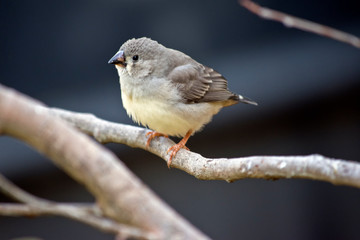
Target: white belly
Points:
x,y
168,118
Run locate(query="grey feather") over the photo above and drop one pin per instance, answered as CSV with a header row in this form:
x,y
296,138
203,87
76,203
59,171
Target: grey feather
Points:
x,y
198,83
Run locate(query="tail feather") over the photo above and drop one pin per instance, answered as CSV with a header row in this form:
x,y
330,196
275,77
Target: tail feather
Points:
x,y
247,100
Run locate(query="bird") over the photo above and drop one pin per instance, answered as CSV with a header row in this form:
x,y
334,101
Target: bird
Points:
x,y
168,92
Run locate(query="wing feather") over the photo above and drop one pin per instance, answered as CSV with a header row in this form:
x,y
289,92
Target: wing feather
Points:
x,y
198,83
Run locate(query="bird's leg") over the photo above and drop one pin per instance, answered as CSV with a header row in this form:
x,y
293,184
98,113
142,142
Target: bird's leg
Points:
x,y
174,149
153,135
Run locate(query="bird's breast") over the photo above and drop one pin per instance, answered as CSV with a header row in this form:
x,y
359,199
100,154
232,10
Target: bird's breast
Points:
x,y
166,117
155,114
157,104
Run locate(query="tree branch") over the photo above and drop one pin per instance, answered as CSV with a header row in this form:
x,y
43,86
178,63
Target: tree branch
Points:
x,y
315,167
120,195
302,24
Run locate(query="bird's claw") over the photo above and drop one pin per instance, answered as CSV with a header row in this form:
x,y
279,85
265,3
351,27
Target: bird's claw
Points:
x,y
151,135
174,149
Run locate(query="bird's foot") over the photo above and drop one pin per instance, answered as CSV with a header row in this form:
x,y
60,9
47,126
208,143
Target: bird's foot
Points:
x,y
151,135
174,149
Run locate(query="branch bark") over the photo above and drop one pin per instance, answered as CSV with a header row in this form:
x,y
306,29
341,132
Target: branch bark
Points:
x,y
315,167
302,24
120,195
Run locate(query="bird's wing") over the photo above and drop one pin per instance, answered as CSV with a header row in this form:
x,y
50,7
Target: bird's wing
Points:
x,y
198,83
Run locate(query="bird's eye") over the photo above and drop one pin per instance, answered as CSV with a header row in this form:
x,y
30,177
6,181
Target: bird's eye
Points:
x,y
135,57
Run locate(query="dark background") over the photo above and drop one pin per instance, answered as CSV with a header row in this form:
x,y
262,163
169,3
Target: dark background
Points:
x,y
307,88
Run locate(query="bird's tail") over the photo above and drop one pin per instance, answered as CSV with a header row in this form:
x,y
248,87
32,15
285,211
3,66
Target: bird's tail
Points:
x,y
247,100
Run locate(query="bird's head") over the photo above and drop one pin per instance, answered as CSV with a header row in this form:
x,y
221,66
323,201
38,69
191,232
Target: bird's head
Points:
x,y
138,58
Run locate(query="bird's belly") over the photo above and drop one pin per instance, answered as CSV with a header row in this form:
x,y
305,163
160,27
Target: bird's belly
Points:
x,y
168,118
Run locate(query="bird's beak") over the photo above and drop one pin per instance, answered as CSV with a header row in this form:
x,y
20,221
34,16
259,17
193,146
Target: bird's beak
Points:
x,y
118,58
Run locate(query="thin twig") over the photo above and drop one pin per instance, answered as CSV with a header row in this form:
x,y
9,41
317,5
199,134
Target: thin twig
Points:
x,y
316,167
302,24
75,212
16,193
86,213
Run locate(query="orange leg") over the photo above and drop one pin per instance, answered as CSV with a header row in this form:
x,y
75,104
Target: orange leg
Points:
x,y
174,149
153,135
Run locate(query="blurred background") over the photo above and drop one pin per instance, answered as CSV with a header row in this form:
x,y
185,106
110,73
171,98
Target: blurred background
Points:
x,y
307,88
